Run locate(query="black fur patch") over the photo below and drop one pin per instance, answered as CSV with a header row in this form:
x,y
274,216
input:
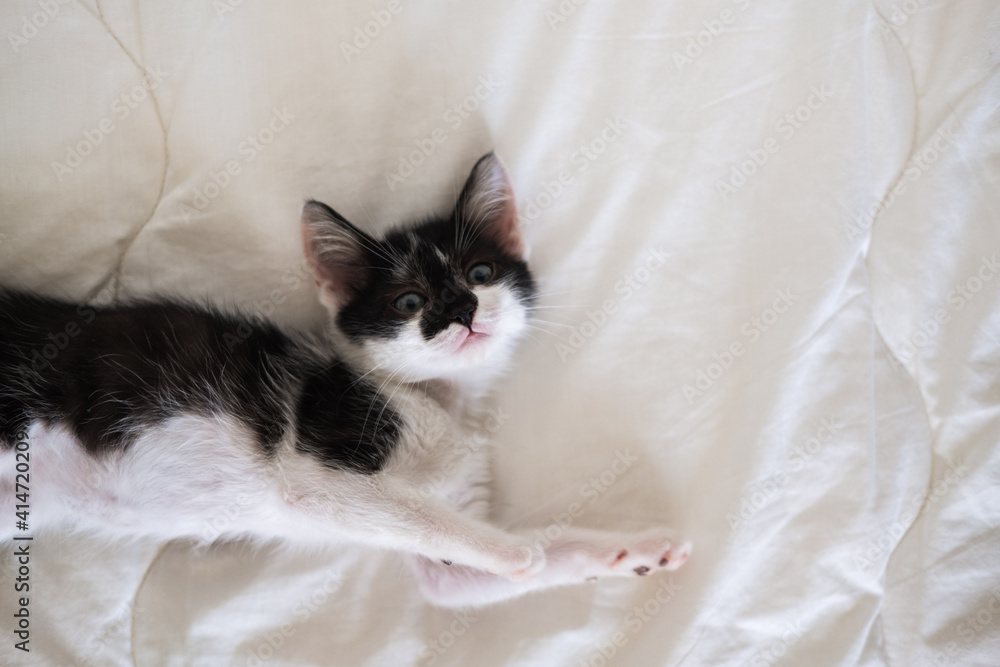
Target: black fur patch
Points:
x,y
107,373
343,422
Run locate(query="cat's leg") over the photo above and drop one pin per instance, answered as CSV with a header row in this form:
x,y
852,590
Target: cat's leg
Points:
x,y
576,556
388,513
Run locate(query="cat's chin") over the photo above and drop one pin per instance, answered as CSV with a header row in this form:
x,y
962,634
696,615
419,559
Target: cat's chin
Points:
x,y
474,359
475,355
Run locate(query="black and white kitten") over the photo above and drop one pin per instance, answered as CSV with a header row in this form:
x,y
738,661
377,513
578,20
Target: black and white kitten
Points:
x,y
147,418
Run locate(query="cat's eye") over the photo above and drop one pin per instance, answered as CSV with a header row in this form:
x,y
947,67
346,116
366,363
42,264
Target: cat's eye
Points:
x,y
480,274
410,303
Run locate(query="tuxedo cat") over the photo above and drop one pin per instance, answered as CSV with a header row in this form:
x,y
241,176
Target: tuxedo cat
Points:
x,y
144,419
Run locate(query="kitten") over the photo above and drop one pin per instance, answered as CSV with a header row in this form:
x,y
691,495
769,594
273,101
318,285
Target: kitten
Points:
x,y
144,419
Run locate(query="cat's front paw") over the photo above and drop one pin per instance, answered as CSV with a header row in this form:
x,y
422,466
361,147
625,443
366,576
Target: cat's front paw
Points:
x,y
653,550
639,554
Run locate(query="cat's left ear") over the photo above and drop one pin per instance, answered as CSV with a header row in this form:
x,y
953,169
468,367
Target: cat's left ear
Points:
x,y
487,205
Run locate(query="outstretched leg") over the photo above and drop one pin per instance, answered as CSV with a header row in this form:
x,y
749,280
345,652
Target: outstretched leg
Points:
x,y
578,555
391,514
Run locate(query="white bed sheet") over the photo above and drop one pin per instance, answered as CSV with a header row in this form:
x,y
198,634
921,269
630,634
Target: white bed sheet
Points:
x,y
795,370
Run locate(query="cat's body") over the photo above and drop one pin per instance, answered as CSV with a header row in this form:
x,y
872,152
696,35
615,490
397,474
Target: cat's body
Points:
x,y
172,420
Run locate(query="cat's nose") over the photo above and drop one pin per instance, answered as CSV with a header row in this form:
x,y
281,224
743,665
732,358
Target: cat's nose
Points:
x,y
464,316
461,310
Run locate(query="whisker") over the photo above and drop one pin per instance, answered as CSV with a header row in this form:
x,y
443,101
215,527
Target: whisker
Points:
x,y
551,333
555,324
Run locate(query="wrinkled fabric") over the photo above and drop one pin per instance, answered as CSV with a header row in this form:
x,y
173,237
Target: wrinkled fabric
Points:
x,y
766,236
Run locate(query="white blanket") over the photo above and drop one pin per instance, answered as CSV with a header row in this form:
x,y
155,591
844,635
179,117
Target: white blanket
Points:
x,y
768,233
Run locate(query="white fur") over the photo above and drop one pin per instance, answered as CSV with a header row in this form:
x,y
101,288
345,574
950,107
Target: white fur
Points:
x,y
167,484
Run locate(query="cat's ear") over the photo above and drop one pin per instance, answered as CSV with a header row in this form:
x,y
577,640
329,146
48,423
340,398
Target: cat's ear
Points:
x,y
337,251
486,205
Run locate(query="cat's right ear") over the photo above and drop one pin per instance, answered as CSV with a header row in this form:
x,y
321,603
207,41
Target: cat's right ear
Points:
x,y
337,251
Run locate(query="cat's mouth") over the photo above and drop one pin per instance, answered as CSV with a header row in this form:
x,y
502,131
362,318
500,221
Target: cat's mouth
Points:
x,y
467,338
472,338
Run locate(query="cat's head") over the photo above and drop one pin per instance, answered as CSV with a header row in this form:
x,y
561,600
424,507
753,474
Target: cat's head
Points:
x,y
434,300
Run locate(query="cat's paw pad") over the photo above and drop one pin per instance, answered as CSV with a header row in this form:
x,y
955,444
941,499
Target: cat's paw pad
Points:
x,y
649,552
